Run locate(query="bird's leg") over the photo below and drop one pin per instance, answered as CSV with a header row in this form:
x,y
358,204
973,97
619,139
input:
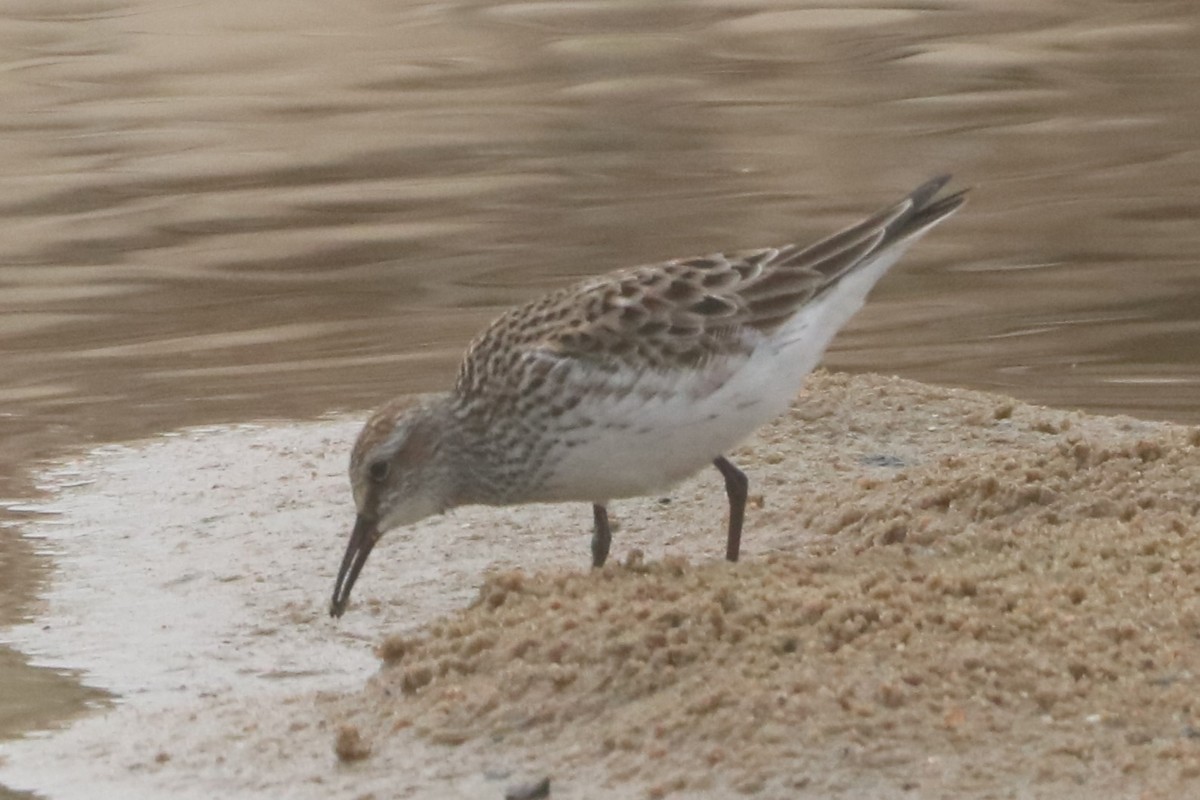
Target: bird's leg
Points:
x,y
601,536
736,484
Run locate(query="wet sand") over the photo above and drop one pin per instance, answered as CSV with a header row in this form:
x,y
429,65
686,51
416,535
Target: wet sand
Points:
x,y
942,593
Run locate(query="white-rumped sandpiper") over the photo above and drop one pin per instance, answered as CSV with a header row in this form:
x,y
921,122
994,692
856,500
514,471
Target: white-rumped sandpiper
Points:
x,y
625,384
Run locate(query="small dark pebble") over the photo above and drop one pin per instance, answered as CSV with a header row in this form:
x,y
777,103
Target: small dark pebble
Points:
x,y
529,791
883,460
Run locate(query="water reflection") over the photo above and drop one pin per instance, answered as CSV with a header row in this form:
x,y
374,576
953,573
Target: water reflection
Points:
x,y
219,211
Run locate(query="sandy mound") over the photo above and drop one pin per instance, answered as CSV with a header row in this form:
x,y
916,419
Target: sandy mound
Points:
x,y
962,594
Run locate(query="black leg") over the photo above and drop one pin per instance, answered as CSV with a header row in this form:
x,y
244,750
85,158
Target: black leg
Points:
x,y
736,484
601,536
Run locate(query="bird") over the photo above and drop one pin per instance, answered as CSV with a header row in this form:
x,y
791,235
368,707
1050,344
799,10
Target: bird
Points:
x,y
624,384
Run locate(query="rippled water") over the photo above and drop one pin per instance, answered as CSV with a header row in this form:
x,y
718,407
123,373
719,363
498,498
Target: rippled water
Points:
x,y
216,211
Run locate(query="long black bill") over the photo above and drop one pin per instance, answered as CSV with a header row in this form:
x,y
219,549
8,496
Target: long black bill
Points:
x,y
362,539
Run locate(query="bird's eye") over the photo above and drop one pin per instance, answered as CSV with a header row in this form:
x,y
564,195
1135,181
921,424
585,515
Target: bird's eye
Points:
x,y
378,470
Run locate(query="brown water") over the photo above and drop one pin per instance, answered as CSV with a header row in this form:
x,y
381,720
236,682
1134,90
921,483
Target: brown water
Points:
x,y
217,211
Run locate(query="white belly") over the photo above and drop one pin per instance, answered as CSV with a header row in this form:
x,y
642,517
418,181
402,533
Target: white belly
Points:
x,y
650,431
644,444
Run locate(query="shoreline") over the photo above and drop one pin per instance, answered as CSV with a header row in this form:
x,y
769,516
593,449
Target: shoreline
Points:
x,y
192,579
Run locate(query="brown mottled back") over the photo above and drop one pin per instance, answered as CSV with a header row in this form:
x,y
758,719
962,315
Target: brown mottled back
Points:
x,y
683,312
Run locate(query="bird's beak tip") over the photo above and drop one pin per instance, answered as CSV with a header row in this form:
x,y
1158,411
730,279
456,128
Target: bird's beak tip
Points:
x,y
362,539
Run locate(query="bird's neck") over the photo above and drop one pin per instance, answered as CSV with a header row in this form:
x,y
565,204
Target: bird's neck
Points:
x,y
479,455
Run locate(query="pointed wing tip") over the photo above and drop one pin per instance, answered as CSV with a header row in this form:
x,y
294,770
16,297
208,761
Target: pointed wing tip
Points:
x,y
926,209
924,193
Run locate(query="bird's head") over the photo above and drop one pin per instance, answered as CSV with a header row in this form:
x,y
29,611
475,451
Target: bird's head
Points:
x,y
398,476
